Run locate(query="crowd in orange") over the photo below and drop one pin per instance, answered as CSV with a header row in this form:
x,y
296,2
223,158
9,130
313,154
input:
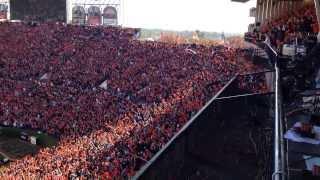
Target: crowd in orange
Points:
x,y
51,79
298,24
290,28
179,39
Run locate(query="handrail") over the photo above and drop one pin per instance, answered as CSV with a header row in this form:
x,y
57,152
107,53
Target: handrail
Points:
x,y
244,95
277,151
279,161
254,73
273,51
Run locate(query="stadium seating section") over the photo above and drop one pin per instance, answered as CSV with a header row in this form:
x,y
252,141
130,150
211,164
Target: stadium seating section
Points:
x,y
112,101
296,27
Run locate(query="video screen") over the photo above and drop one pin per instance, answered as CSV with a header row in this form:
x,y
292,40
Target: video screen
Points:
x,y
38,10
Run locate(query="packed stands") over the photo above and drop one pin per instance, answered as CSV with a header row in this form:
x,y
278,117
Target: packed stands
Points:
x,y
112,101
299,27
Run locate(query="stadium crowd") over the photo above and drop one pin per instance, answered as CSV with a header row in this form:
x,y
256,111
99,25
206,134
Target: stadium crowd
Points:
x,y
112,101
298,26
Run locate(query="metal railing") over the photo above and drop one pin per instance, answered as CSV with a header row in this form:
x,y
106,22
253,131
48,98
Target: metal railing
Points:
x,y
279,154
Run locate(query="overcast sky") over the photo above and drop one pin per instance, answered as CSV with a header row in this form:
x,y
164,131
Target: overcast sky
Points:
x,y
205,15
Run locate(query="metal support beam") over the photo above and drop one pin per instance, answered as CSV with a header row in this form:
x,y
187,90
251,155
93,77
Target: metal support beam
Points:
x,y
262,10
9,10
270,9
279,161
267,10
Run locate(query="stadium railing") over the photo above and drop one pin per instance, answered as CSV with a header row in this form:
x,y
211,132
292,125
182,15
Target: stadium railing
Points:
x,y
279,142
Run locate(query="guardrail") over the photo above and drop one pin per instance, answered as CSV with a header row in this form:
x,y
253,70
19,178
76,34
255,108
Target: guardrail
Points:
x,y
279,154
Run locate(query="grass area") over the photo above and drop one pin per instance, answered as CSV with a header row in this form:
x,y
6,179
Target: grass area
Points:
x,y
13,147
43,139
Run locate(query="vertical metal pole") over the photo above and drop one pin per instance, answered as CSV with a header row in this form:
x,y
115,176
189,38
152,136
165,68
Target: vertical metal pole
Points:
x,y
8,11
282,158
317,5
122,10
67,11
100,7
267,10
258,11
279,165
270,10
276,127
262,11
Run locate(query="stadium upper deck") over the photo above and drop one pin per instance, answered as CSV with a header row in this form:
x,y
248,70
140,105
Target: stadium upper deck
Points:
x,y
267,10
